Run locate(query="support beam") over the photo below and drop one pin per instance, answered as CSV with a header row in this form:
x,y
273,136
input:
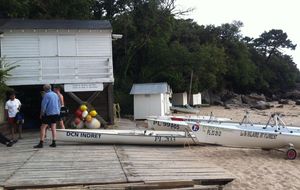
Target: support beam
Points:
x,y
110,102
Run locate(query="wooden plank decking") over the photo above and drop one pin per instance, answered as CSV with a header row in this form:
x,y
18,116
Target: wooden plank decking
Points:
x,y
104,167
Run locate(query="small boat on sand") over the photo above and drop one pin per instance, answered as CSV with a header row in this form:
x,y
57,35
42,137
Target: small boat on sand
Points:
x,y
185,109
139,137
273,135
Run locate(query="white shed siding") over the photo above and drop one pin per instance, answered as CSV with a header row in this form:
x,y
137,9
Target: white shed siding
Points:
x,y
147,105
48,45
166,104
66,45
20,45
92,44
57,56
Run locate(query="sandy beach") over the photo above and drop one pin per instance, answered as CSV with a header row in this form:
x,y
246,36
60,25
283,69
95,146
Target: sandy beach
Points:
x,y
254,168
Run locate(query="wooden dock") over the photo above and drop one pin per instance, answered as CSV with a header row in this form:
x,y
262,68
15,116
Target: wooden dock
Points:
x,y
79,166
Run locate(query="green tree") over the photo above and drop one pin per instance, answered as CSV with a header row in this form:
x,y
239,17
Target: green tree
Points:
x,y
5,68
109,9
52,9
269,43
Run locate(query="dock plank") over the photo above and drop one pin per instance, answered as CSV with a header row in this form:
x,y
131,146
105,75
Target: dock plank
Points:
x,y
77,164
157,164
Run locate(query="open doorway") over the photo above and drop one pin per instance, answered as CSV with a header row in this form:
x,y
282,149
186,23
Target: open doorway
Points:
x,y
30,97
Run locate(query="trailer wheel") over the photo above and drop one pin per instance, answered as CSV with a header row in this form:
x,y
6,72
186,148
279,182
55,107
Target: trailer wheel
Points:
x,y
291,154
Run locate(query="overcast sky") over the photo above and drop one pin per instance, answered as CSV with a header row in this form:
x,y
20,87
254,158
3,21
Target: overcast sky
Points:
x,y
257,15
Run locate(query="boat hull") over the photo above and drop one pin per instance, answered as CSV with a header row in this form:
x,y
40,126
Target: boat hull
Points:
x,y
247,136
135,137
167,125
185,110
179,123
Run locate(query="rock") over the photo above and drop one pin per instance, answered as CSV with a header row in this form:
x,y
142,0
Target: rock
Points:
x,y
297,102
227,107
227,95
283,101
253,98
236,100
279,106
218,103
274,97
261,105
210,98
257,97
293,95
216,100
247,100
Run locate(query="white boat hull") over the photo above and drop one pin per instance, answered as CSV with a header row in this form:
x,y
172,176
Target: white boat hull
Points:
x,y
248,136
138,137
178,123
167,125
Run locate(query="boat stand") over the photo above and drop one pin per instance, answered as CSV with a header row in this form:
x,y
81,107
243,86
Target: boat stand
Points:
x,y
277,122
246,119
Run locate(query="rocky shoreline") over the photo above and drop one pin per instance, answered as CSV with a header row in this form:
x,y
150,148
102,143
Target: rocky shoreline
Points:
x,y
229,99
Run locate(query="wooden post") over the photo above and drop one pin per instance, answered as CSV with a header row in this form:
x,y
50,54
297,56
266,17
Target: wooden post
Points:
x,y
190,90
110,102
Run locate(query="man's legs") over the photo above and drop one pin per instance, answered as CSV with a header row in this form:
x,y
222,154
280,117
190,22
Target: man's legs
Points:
x,y
12,131
20,130
53,129
42,136
43,132
61,123
11,125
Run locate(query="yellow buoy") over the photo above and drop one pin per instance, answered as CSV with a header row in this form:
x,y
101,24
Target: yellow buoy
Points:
x,y
93,113
83,107
88,118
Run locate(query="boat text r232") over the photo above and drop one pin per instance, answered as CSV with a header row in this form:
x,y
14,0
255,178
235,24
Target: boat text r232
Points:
x,y
212,131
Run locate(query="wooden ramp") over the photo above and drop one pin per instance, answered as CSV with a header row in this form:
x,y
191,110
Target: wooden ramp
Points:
x,y
80,166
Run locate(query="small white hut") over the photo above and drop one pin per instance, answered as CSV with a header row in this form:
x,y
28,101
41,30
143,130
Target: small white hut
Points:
x,y
196,99
179,99
151,99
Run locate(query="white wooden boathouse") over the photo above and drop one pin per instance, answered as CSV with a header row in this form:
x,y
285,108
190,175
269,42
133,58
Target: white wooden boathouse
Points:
x,y
74,53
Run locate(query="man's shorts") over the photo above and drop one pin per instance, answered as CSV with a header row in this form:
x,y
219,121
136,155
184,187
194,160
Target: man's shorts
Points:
x,y
50,119
11,121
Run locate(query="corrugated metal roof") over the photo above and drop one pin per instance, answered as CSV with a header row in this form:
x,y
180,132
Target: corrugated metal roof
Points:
x,y
54,24
150,88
